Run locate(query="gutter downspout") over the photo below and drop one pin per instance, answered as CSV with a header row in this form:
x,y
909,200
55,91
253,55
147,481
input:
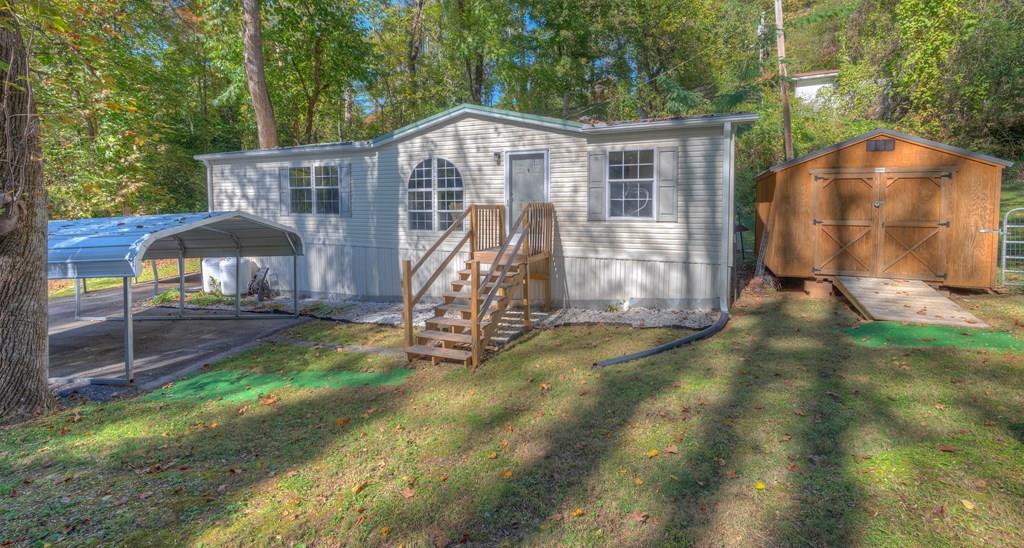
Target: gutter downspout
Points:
x,y
725,260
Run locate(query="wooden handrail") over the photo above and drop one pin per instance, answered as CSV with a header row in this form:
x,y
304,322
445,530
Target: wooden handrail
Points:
x,y
440,269
443,237
516,228
408,270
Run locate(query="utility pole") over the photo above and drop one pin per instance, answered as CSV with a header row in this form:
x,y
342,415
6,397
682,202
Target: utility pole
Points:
x,y
780,40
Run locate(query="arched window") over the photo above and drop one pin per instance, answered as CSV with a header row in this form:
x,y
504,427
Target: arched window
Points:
x,y
435,195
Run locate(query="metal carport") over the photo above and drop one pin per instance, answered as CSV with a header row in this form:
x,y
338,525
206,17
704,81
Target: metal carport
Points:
x,y
115,247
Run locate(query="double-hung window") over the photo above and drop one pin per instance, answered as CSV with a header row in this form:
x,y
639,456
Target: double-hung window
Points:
x,y
315,189
631,184
435,195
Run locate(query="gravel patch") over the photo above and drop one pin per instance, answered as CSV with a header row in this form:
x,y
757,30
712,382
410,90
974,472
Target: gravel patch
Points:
x,y
634,317
390,314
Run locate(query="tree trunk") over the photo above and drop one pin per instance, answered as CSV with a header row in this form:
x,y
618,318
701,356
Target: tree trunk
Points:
x,y
23,301
316,88
266,127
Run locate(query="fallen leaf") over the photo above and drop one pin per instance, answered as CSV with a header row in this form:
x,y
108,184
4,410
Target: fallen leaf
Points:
x,y
967,504
341,421
492,456
408,492
506,473
545,386
672,450
577,512
940,406
444,477
948,449
359,488
214,424
384,531
652,453
786,437
759,486
640,517
503,444
638,482
269,399
980,484
793,467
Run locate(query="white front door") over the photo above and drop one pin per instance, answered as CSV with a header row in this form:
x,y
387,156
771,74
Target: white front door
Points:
x,y
526,180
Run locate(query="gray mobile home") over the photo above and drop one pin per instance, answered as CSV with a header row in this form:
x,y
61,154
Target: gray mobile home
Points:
x,y
642,210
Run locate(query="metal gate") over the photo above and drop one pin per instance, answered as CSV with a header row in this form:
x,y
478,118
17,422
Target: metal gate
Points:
x,y
1013,248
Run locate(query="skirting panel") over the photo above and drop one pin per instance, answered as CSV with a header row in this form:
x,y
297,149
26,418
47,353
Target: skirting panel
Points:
x,y
371,273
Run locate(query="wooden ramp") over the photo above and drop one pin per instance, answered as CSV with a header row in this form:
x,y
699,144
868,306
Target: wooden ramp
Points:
x,y
911,301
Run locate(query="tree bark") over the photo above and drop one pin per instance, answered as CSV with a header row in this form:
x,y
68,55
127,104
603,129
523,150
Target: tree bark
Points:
x,y
255,77
316,88
23,300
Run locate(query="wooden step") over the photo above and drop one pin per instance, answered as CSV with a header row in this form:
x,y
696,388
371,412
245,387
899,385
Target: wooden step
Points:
x,y
460,338
504,285
456,307
445,321
439,352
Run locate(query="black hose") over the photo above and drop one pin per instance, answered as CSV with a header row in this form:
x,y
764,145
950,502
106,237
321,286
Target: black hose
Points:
x,y
702,334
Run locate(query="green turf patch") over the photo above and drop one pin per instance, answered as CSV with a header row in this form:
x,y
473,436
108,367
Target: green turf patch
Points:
x,y
237,386
887,334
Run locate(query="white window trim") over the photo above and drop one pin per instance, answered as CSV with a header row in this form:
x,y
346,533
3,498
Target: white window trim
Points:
x,y
435,212
608,186
313,168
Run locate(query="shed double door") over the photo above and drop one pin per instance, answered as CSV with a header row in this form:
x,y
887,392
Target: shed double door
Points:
x,y
881,223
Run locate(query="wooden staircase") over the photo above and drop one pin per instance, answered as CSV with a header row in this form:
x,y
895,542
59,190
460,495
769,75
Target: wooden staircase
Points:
x,y
495,278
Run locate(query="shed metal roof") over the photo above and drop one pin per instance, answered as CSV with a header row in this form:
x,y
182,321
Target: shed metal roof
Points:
x,y
888,133
544,122
116,246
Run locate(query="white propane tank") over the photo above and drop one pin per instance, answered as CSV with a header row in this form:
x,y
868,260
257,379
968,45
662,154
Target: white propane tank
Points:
x,y
227,272
211,275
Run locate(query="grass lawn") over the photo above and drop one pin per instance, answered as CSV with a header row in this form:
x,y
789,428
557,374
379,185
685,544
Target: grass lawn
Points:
x,y
787,428
166,268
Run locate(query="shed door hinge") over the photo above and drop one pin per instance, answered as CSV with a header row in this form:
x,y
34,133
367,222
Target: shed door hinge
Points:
x,y
946,224
816,222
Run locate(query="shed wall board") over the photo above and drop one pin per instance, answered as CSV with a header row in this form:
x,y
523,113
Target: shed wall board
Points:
x,y
597,262
975,194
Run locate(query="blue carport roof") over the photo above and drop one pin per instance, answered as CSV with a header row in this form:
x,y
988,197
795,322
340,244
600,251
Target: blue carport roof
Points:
x,y
116,246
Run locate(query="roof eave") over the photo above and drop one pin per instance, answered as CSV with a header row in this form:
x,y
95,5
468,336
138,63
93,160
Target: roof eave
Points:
x,y
979,156
708,121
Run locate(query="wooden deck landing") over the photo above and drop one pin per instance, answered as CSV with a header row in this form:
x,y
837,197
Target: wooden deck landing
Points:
x,y
911,301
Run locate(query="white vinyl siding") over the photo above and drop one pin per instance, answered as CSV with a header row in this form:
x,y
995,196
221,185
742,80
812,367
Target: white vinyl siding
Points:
x,y
629,258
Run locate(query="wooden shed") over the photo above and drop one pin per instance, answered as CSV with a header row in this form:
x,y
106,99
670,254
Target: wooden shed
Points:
x,y
883,204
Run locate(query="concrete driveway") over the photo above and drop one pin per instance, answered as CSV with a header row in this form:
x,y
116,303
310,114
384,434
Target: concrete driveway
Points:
x,y
164,350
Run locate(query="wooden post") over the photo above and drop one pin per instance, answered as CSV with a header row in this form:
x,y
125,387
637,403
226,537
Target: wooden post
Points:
x,y
472,231
474,310
501,224
407,300
527,325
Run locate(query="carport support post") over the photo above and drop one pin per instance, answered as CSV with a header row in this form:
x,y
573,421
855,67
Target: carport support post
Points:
x,y
78,299
129,340
181,284
156,279
295,284
238,285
